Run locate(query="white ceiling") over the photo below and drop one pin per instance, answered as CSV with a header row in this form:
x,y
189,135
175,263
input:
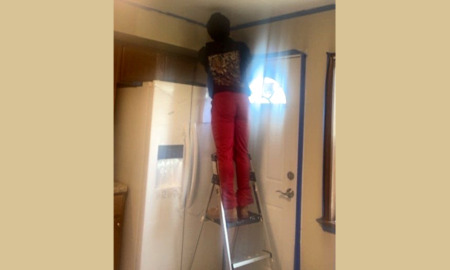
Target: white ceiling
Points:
x,y
238,11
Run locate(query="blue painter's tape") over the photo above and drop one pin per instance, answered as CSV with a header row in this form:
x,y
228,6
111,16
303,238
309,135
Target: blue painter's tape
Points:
x,y
300,164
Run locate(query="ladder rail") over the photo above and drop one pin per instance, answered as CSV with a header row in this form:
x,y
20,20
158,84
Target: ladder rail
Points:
x,y
253,183
225,236
201,227
228,253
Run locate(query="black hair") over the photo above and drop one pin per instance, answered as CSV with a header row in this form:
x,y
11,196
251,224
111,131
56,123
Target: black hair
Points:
x,y
218,27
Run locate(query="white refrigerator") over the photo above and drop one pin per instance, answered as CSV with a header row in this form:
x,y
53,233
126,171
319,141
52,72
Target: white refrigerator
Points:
x,y
162,149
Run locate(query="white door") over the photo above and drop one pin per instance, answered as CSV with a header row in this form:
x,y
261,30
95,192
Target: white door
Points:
x,y
274,137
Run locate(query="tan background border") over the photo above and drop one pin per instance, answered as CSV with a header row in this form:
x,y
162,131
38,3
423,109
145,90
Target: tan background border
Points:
x,y
392,135
56,135
56,146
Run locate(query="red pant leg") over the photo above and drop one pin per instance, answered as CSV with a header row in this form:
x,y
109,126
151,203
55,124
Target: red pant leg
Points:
x,y
243,194
222,121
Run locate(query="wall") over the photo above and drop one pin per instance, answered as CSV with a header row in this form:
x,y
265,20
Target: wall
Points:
x,y
315,35
148,24
131,124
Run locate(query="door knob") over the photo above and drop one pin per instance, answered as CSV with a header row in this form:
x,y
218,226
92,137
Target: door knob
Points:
x,y
290,175
289,193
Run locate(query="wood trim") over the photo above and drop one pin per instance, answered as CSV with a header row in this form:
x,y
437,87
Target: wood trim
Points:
x,y
328,220
118,52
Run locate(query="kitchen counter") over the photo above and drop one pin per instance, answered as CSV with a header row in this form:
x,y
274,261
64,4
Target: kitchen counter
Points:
x,y
120,188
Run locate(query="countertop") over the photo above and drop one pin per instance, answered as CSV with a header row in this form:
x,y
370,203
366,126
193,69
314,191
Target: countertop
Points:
x,y
120,188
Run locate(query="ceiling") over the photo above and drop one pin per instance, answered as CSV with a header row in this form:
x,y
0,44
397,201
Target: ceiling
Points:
x,y
238,11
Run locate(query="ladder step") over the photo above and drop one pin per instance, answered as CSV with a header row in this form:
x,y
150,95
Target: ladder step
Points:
x,y
252,259
252,218
215,178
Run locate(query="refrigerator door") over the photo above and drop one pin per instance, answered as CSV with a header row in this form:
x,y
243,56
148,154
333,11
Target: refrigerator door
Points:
x,y
198,191
163,145
168,163
178,179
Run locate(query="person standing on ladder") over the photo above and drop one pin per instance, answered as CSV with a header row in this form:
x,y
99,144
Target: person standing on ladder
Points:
x,y
226,62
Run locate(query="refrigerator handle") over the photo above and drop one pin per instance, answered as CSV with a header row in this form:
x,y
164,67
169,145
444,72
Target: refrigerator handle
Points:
x,y
193,182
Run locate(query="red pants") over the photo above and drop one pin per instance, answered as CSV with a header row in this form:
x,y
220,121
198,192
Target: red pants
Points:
x,y
229,123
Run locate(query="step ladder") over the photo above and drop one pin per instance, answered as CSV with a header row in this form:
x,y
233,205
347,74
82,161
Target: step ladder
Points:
x,y
246,241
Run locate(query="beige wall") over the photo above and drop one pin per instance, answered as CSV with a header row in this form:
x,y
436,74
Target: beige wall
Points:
x,y
152,25
314,35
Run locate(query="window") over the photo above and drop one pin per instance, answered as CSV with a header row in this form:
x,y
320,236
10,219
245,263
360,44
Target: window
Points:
x,y
266,89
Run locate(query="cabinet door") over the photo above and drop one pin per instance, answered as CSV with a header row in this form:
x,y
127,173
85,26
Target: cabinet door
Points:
x,y
138,65
179,69
200,75
119,203
119,200
117,240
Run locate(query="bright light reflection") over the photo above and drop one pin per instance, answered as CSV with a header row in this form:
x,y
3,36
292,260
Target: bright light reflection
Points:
x,y
266,90
169,173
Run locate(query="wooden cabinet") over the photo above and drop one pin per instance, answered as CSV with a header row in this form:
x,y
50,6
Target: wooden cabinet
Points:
x,y
137,60
140,64
119,205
